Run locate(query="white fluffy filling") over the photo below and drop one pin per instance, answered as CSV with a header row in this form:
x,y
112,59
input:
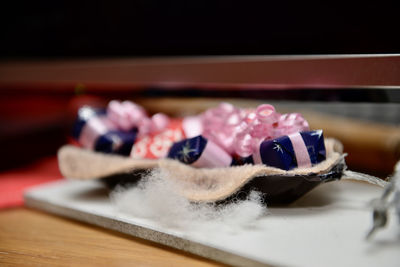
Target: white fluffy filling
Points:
x,y
156,197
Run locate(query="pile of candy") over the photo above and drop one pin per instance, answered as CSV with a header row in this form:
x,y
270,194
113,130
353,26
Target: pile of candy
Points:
x,y
219,137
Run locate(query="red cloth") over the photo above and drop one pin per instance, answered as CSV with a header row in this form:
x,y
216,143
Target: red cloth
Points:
x,y
14,182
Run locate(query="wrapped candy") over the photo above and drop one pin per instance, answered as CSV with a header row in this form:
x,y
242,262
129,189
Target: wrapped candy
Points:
x,y
127,115
241,131
200,152
94,130
157,145
156,134
230,135
297,150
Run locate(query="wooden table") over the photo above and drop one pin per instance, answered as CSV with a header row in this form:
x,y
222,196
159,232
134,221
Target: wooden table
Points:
x,y
30,237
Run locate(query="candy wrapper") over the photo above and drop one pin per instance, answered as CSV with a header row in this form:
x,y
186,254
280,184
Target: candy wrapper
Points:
x,y
95,131
200,152
157,145
298,150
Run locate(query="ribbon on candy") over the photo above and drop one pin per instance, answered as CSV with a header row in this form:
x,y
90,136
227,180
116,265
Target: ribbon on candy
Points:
x,y
300,150
241,131
127,115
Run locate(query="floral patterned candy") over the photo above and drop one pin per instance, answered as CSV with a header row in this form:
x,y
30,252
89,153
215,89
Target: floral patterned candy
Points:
x,y
157,145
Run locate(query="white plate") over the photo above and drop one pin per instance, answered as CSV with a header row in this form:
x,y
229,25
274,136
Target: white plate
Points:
x,y
327,227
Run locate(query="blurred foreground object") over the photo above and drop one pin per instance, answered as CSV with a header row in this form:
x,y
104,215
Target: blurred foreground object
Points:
x,y
389,199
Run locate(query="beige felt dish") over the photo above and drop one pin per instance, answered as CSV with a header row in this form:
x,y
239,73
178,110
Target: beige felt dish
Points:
x,y
209,184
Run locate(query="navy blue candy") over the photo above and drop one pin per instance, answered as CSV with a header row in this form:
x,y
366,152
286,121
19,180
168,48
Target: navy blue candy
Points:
x,y
315,144
112,141
117,142
84,114
188,150
280,153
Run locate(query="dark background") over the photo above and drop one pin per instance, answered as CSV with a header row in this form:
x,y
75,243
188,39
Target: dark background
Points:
x,y
35,123
54,29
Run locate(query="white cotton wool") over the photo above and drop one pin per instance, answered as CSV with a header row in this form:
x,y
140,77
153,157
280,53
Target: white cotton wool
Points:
x,y
156,197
